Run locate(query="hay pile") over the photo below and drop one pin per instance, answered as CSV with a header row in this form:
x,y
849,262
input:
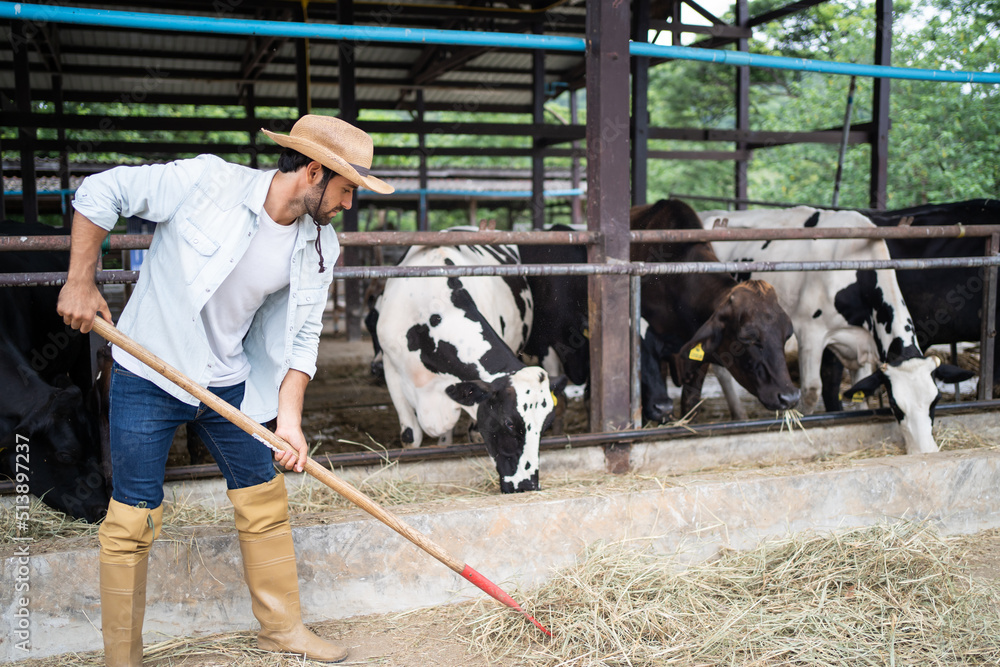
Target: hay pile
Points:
x,y
878,596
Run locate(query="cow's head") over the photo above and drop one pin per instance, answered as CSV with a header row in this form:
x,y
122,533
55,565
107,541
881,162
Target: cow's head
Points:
x,y
64,458
913,395
513,412
746,335
60,425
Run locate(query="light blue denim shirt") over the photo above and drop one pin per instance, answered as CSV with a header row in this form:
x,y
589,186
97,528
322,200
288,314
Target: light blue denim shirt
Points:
x,y
208,212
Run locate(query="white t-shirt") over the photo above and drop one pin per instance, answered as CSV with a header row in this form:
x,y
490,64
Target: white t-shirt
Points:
x,y
263,270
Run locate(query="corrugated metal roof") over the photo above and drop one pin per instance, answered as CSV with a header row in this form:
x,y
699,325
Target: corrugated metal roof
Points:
x,y
210,66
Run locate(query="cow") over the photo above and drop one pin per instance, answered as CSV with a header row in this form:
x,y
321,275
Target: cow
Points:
x,y
702,319
559,334
46,430
450,344
945,304
860,316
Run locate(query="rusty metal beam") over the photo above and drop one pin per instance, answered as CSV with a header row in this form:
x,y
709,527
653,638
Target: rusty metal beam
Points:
x,y
607,63
141,241
622,270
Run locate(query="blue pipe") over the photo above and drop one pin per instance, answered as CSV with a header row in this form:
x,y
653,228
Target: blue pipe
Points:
x,y
739,58
145,20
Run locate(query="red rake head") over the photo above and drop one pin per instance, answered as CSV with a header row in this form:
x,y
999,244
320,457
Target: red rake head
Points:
x,y
496,593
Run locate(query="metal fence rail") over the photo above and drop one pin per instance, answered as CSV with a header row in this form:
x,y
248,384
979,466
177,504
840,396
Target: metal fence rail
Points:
x,y
509,270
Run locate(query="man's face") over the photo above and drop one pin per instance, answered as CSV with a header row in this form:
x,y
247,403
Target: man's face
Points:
x,y
325,200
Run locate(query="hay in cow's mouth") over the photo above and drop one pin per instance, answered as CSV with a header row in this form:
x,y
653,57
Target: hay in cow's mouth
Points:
x,y
874,596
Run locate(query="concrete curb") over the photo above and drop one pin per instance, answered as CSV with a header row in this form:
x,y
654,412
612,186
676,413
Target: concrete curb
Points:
x,y
354,565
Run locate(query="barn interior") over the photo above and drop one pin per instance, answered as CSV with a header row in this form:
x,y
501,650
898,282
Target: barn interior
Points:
x,y
488,101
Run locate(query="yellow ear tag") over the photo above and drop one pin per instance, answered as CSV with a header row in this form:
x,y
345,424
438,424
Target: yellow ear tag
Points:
x,y
554,401
858,397
697,353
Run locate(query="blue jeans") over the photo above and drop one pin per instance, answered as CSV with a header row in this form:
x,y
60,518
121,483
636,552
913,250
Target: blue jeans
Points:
x,y
143,421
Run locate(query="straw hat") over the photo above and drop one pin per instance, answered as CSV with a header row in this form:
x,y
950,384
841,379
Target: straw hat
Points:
x,y
336,144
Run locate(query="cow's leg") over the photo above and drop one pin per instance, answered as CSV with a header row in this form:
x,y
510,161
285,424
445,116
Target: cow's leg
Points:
x,y
410,434
691,391
831,375
810,361
731,390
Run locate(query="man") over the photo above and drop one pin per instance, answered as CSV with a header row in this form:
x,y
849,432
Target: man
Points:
x,y
232,294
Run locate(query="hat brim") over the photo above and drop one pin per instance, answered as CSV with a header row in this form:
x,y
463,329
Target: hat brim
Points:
x,y
329,159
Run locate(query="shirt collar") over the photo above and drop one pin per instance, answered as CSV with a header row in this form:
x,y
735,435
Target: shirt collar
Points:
x,y
255,202
258,192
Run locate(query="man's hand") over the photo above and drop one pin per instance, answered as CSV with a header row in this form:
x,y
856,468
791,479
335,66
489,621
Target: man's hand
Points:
x,y
79,299
79,302
290,398
293,436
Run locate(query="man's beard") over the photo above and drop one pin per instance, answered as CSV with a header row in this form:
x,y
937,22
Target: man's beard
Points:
x,y
314,202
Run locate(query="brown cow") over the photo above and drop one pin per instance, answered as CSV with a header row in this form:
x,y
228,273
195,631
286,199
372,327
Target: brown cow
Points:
x,y
700,319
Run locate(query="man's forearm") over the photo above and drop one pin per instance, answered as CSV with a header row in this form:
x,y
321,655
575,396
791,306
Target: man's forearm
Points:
x,y
79,298
291,396
86,239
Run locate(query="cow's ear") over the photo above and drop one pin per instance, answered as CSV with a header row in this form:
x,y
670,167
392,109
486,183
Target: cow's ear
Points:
x,y
557,383
952,374
865,386
468,393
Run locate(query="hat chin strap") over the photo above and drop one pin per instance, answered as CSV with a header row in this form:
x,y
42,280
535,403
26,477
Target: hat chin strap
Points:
x,y
314,215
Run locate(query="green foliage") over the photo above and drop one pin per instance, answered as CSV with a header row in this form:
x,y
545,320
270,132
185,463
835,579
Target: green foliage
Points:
x,y
943,144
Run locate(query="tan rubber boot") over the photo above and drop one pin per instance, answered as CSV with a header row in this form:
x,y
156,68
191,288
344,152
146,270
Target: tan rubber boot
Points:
x,y
261,514
126,535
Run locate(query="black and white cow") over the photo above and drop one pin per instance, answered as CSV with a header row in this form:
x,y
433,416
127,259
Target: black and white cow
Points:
x,y
946,304
45,374
560,339
449,345
701,319
860,316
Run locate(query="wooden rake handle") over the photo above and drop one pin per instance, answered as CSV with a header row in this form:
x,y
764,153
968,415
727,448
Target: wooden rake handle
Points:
x,y
109,332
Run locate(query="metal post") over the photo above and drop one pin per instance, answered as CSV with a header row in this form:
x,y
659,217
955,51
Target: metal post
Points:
x,y
422,222
635,382
880,108
250,108
640,108
987,357
538,145
22,85
608,213
303,95
353,296
67,209
843,143
742,106
576,203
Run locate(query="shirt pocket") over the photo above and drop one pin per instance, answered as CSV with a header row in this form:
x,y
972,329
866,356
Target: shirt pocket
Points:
x,y
195,251
305,301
